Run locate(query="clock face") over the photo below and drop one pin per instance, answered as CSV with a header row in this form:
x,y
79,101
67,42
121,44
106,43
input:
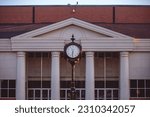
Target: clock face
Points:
x,y
72,51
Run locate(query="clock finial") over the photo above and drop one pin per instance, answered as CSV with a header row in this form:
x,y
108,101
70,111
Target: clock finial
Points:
x,y
72,38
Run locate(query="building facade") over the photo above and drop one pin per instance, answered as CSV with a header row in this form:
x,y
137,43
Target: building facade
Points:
x,y
113,65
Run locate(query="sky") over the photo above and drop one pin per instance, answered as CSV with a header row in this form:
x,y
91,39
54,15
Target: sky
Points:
x,y
73,2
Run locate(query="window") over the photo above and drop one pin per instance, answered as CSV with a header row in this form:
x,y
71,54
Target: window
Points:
x,y
7,88
140,89
38,90
66,87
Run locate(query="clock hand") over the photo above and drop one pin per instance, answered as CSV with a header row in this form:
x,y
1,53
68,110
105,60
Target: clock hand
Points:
x,y
72,52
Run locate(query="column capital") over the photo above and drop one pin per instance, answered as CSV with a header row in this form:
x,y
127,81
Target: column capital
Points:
x,y
88,54
20,54
124,54
55,54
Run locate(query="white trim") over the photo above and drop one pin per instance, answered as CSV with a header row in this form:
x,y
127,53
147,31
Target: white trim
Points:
x,y
5,44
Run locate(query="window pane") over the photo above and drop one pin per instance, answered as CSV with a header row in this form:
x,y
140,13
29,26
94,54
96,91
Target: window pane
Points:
x,y
12,93
34,84
83,94
77,94
46,84
62,93
38,54
37,93
115,94
99,84
45,54
133,93
101,94
4,93
108,94
4,83
65,84
133,83
12,84
141,93
31,55
45,94
140,83
147,83
95,94
30,93
68,94
79,84
147,92
112,84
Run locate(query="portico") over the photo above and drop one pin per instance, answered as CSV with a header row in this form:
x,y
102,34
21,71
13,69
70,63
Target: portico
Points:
x,y
97,43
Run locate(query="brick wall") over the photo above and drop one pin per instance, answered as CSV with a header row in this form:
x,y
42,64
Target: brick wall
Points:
x,y
95,14
15,14
91,14
132,14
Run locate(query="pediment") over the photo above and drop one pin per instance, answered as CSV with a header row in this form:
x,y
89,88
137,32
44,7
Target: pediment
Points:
x,y
64,29
53,38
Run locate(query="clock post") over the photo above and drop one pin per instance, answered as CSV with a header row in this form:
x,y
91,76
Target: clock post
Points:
x,y
72,52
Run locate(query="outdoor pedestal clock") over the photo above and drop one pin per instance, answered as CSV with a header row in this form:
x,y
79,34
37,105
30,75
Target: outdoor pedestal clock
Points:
x,y
72,52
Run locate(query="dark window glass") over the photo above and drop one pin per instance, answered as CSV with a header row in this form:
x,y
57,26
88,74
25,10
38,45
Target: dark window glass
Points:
x,y
141,93
45,54
65,84
50,93
12,93
77,94
95,93
140,83
4,92
37,93
46,84
108,94
62,93
34,84
147,83
101,94
108,54
147,92
79,84
99,84
30,93
12,84
133,93
112,84
115,93
4,83
133,83
83,94
45,94
68,94
31,55
38,54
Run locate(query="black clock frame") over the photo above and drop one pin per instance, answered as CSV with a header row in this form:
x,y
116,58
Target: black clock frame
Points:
x,y
76,59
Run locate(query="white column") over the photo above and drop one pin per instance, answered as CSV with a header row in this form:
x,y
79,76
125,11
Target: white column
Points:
x,y
124,76
20,81
55,76
90,82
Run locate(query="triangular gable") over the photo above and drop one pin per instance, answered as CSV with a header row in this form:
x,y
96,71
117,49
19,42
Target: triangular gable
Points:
x,y
66,24
53,38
